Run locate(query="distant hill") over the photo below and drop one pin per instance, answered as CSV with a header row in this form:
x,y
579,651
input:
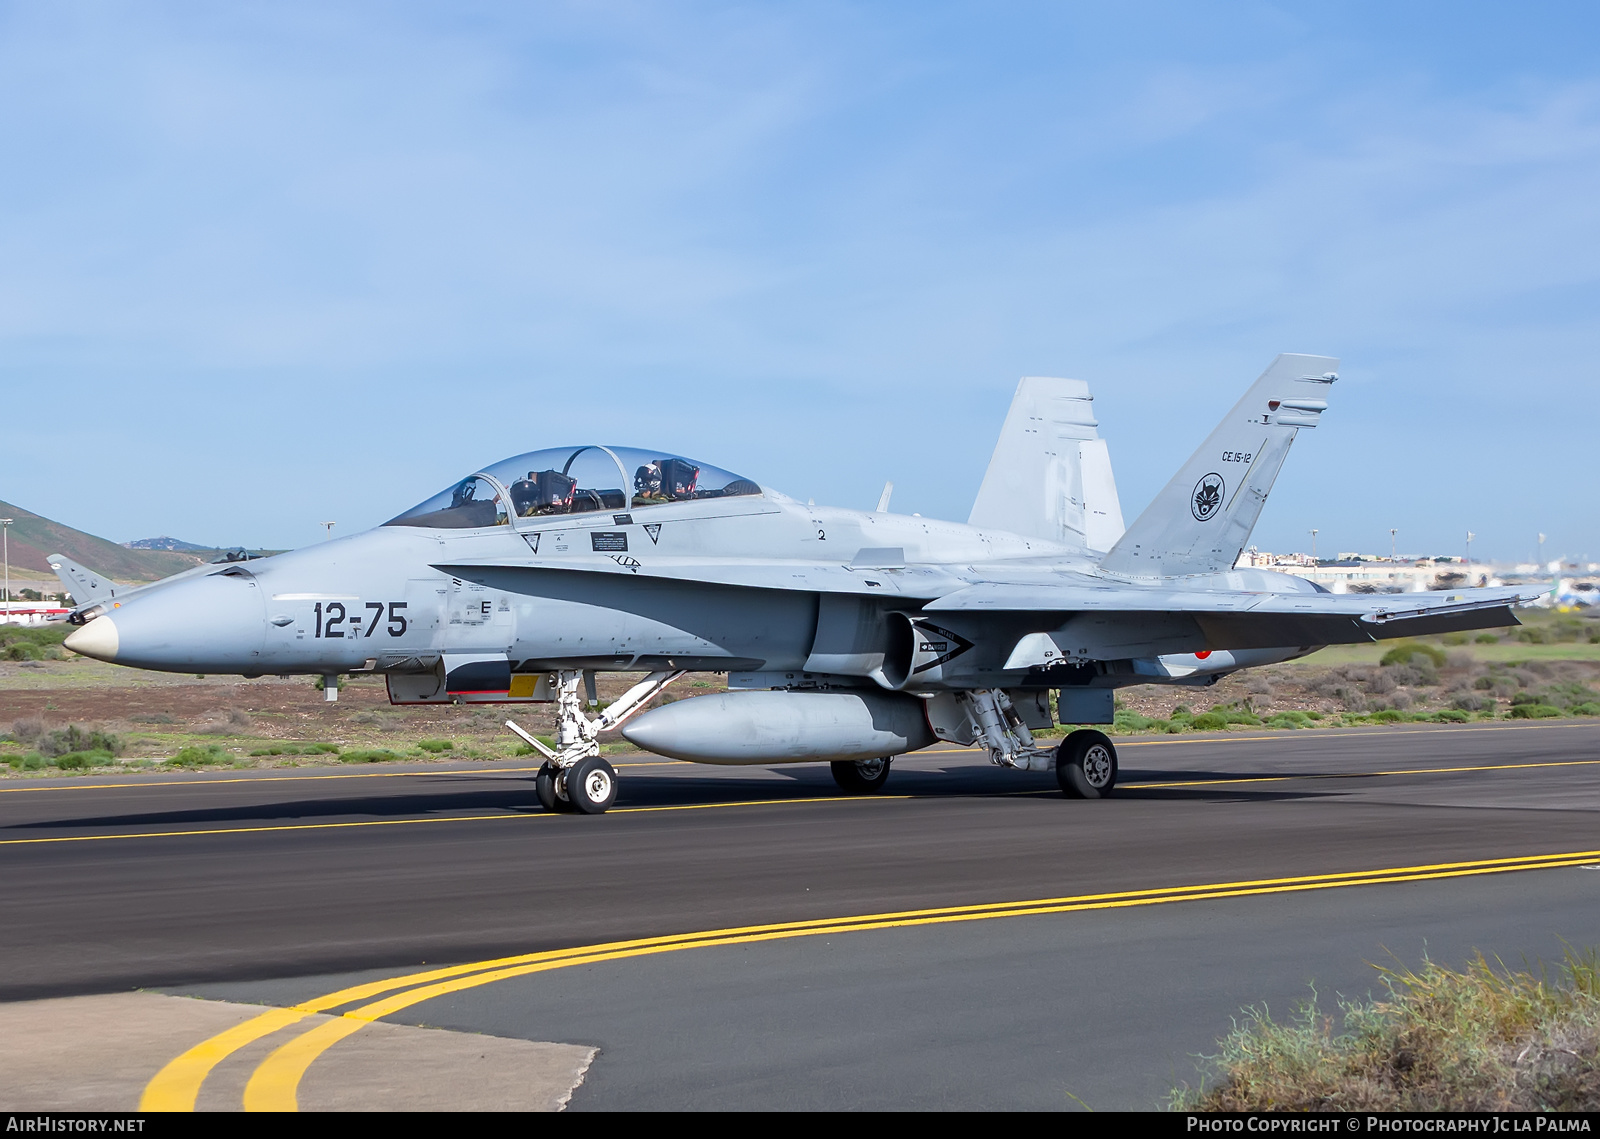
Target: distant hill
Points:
x,y
165,544
34,536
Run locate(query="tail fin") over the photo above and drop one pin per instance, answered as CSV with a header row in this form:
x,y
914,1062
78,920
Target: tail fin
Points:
x,y
85,586
1050,476
1201,521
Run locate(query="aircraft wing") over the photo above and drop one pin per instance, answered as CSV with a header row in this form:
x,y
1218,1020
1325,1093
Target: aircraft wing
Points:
x,y
1259,620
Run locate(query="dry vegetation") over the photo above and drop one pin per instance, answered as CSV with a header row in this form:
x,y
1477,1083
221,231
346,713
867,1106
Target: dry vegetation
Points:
x,y
1485,1038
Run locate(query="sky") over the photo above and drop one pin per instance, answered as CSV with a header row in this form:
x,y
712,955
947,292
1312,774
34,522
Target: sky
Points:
x,y
264,266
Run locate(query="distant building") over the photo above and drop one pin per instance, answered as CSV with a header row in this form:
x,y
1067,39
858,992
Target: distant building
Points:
x,y
1371,573
32,612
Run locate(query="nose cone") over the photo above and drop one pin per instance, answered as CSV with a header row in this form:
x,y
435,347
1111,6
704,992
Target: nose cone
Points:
x,y
97,639
214,623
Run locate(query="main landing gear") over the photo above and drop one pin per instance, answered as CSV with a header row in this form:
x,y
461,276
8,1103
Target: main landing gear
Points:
x,y
1085,762
573,776
861,776
1086,765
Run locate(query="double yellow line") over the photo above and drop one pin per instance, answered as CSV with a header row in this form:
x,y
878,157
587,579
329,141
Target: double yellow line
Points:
x,y
275,1082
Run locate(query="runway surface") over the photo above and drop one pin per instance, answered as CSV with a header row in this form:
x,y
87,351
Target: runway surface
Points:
x,y
283,886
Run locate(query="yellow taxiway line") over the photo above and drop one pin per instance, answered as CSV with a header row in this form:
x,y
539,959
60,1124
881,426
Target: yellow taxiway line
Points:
x,y
1154,785
450,771
1360,774
274,1084
539,814
90,785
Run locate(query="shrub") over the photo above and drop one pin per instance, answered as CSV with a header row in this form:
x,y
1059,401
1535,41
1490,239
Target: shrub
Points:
x,y
292,748
78,760
33,761
1451,716
1289,720
1486,639
1209,722
1588,708
1418,674
1455,638
1479,1039
28,728
1533,711
368,755
1469,702
436,745
1403,653
77,737
198,756
1388,716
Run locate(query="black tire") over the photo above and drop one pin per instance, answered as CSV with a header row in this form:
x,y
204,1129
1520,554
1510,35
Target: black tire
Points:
x,y
591,786
861,776
552,796
1086,765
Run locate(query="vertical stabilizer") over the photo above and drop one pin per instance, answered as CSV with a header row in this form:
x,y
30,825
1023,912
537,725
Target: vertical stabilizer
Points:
x,y
1050,476
86,586
1203,518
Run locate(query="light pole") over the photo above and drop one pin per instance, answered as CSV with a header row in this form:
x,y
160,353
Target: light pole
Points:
x,y
1392,532
5,541
1313,544
329,526
1541,551
1470,536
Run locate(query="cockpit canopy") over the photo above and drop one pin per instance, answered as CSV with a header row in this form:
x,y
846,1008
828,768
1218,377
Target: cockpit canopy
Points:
x,y
572,480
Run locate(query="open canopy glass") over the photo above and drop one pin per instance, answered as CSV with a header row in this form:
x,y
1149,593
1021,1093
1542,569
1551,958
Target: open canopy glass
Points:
x,y
573,480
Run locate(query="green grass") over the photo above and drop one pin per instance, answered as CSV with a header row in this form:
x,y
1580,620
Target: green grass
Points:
x,y
202,755
1484,1038
1506,652
369,755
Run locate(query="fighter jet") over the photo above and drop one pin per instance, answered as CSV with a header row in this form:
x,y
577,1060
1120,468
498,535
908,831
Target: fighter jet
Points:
x,y
849,637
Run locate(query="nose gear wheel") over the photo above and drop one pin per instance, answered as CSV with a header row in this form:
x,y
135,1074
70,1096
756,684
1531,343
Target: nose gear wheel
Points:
x,y
574,777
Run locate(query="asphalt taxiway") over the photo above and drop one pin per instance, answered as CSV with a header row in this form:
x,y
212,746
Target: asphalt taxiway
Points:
x,y
966,938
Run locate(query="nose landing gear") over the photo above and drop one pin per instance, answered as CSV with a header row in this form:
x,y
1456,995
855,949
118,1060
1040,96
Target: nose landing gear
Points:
x,y
574,777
